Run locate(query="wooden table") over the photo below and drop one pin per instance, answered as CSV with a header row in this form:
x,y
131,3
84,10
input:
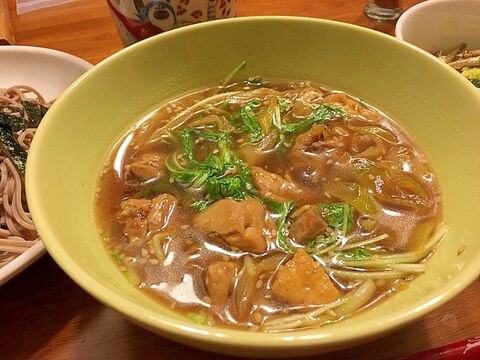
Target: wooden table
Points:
x,y
45,315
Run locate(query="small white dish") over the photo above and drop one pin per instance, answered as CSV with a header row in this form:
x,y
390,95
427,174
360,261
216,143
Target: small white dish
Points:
x,y
50,72
441,24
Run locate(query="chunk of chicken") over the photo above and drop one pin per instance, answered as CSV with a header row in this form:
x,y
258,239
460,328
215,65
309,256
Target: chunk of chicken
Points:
x,y
274,186
307,226
219,281
149,166
133,215
161,212
141,216
317,152
307,139
240,224
302,281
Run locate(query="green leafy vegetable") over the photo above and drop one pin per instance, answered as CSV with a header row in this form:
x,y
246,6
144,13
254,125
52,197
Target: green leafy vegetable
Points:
x,y
199,318
322,114
338,216
357,254
200,205
234,72
321,242
283,210
153,190
221,175
188,136
284,104
237,187
250,120
472,74
117,256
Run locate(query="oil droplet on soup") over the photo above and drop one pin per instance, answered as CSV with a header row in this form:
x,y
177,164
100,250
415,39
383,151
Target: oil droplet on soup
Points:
x,y
271,206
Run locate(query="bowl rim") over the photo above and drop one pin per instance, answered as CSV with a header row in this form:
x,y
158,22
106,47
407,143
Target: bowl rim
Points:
x,y
195,334
28,257
31,49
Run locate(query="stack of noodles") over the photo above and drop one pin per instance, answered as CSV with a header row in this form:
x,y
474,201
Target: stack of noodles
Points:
x,y
17,231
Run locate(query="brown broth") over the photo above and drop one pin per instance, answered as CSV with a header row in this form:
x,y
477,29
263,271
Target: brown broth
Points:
x,y
363,161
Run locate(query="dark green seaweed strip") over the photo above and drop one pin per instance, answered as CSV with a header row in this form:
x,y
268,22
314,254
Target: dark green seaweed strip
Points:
x,y
16,123
35,112
12,149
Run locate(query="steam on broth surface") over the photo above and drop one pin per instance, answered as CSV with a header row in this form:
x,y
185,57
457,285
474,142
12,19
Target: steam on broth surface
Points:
x,y
269,205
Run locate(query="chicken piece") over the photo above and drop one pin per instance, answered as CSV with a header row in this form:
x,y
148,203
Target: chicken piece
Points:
x,y
161,212
141,216
219,281
133,215
302,281
316,153
274,186
149,166
310,137
307,226
240,224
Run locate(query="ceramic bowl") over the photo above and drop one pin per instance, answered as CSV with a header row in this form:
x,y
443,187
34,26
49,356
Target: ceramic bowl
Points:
x,y
441,25
435,105
51,72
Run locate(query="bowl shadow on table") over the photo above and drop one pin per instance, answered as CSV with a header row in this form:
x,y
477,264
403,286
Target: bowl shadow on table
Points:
x,y
149,345
449,323
87,328
32,329
144,344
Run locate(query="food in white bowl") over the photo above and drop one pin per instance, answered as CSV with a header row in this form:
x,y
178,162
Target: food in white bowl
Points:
x,y
445,28
30,79
466,62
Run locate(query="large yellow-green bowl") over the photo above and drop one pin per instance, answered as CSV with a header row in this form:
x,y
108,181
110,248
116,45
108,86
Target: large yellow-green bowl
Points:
x,y
435,104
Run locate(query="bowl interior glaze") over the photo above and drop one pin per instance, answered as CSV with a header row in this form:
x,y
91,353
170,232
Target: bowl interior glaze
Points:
x,y
433,103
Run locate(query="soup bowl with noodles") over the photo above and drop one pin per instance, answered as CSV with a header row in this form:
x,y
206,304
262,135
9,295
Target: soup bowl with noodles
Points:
x,y
263,195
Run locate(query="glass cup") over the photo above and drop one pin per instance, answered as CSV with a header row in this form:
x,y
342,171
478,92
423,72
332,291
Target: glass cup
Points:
x,y
136,20
383,9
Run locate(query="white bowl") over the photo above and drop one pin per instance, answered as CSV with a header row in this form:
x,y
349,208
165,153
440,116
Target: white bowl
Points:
x,y
441,24
50,72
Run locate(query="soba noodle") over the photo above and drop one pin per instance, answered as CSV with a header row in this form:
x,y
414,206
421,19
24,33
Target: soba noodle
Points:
x,y
17,231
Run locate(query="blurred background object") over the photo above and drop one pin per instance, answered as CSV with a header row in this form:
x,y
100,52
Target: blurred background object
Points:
x,y
24,6
6,32
139,19
383,9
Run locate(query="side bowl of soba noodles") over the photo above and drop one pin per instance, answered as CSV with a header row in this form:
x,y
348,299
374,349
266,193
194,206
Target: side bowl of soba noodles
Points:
x,y
31,78
278,198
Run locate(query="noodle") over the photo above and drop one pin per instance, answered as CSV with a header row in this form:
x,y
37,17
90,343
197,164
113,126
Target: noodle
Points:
x,y
17,231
